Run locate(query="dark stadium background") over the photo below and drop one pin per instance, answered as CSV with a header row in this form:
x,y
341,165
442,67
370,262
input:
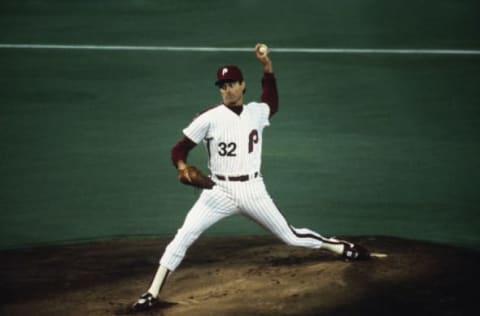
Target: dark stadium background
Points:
x,y
364,144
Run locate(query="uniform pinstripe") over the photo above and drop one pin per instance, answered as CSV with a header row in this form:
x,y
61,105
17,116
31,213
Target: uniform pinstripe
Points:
x,y
232,133
217,128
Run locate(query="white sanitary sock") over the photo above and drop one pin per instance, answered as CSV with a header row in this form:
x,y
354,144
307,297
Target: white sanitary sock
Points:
x,y
159,280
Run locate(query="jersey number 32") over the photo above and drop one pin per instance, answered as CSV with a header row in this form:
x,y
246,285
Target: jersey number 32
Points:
x,y
229,149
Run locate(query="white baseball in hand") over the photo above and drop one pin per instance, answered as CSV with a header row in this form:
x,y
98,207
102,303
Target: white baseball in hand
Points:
x,y
263,49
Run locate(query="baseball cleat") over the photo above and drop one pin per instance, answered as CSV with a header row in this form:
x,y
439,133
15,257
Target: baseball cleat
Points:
x,y
146,301
353,252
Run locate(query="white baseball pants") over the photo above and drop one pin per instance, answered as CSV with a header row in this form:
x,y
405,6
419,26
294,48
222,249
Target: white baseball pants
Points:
x,y
249,198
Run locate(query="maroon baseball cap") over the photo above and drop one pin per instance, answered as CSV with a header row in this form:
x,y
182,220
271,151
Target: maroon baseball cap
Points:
x,y
228,73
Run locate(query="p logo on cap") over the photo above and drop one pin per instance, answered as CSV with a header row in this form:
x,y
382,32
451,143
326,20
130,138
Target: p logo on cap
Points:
x,y
228,73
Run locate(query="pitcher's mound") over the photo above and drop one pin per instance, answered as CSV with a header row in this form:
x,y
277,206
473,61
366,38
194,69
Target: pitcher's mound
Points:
x,y
242,276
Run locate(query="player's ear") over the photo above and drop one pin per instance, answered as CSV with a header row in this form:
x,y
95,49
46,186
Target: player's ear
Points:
x,y
244,86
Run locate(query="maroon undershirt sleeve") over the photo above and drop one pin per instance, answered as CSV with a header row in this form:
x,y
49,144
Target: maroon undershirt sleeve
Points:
x,y
269,92
181,149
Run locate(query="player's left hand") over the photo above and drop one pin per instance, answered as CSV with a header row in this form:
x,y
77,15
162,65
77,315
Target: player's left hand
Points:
x,y
190,175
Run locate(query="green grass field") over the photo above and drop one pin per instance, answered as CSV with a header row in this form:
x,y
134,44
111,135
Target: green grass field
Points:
x,y
364,144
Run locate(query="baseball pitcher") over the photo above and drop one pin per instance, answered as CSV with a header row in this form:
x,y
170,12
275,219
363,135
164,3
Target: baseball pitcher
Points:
x,y
232,133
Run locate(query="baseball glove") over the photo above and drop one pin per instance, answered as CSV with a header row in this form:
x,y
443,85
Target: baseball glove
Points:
x,y
190,175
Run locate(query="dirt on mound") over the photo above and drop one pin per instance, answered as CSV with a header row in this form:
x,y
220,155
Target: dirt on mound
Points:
x,y
255,275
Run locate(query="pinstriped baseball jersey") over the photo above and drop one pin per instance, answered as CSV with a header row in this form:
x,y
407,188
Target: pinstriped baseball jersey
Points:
x,y
233,138
234,146
233,142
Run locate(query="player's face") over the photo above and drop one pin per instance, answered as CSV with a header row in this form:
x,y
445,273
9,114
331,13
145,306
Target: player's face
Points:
x,y
232,92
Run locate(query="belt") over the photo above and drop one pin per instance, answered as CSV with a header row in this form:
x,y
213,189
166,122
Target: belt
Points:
x,y
241,178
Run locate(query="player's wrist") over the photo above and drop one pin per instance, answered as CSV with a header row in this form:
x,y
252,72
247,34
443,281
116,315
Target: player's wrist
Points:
x,y
267,67
181,165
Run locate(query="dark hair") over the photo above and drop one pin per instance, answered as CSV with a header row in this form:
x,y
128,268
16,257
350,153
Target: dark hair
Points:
x,y
221,83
